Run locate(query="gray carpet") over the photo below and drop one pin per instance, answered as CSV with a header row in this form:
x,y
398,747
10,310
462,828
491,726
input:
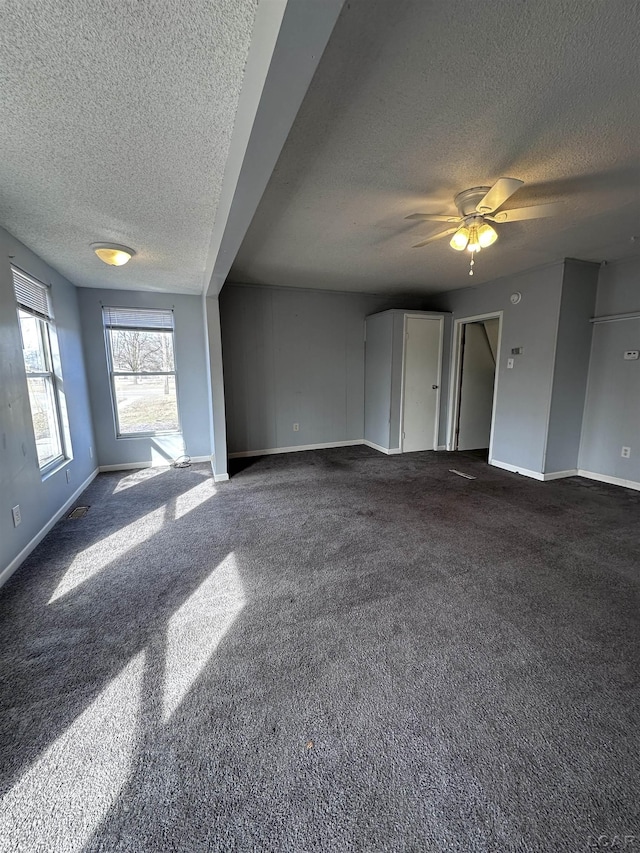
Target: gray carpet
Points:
x,y
335,651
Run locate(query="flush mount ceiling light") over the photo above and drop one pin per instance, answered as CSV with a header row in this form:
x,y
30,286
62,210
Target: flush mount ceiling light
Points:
x,y
112,253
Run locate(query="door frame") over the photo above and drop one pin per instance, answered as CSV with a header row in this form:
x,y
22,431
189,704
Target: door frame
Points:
x,y
436,427
456,376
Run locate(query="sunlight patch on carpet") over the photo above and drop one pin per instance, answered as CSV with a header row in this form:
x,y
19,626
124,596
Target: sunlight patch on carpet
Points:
x,y
67,793
102,553
138,477
193,498
196,629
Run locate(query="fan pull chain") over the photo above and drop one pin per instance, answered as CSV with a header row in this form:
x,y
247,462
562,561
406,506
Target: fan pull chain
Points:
x,y
471,264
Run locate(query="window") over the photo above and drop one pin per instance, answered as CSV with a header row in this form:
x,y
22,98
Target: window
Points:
x,y
39,350
142,370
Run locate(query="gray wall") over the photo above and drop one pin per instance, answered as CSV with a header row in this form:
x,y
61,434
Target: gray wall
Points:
x,y
377,390
191,366
571,365
298,356
216,406
295,356
20,479
523,395
612,410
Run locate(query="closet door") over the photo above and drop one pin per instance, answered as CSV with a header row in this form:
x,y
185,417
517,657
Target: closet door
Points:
x,y
421,392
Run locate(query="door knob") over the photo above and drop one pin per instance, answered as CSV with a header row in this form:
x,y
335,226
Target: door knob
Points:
x,y
434,387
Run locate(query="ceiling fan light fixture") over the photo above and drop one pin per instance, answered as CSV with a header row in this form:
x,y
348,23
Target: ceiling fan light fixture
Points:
x,y
112,253
460,239
477,207
486,235
474,244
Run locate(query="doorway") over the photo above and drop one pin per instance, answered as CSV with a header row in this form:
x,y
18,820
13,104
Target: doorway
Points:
x,y
476,355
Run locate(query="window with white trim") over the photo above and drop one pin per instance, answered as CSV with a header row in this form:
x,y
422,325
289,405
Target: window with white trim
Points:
x,y
140,355
44,380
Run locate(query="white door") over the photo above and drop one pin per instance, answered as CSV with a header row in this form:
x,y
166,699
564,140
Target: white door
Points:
x,y
421,395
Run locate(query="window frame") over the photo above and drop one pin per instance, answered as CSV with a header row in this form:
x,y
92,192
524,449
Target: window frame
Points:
x,y
114,374
52,377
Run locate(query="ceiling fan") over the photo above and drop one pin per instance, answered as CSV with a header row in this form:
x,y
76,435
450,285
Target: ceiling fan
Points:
x,y
478,208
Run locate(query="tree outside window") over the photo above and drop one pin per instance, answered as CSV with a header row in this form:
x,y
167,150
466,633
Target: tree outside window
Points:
x,y
142,367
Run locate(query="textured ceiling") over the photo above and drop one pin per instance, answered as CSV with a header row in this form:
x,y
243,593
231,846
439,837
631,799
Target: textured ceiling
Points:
x,y
115,122
416,101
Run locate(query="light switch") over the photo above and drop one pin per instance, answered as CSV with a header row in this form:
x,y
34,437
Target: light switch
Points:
x,y
510,363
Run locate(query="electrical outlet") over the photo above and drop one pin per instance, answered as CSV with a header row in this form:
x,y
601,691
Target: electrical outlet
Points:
x,y
17,516
296,427
510,363
68,473
626,452
632,355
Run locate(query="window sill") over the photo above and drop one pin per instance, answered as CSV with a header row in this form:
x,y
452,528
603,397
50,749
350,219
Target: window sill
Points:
x,y
53,468
128,436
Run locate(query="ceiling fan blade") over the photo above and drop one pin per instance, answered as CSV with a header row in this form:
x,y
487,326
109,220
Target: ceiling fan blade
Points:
x,y
435,237
503,189
434,217
536,211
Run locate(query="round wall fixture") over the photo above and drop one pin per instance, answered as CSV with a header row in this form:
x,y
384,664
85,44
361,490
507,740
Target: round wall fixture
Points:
x,y
515,298
112,253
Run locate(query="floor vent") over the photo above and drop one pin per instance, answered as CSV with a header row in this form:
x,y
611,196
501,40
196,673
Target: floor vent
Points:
x,y
78,512
461,474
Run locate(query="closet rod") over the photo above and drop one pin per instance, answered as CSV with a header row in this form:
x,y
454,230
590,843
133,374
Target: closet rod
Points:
x,y
613,318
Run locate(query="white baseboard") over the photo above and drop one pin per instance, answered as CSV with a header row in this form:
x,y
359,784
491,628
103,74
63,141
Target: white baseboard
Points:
x,y
271,450
612,481
135,466
516,469
534,475
358,441
123,466
373,446
217,478
5,574
557,475
441,447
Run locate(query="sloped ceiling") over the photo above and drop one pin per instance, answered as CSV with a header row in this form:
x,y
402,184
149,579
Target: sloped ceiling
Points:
x,y
115,124
416,101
